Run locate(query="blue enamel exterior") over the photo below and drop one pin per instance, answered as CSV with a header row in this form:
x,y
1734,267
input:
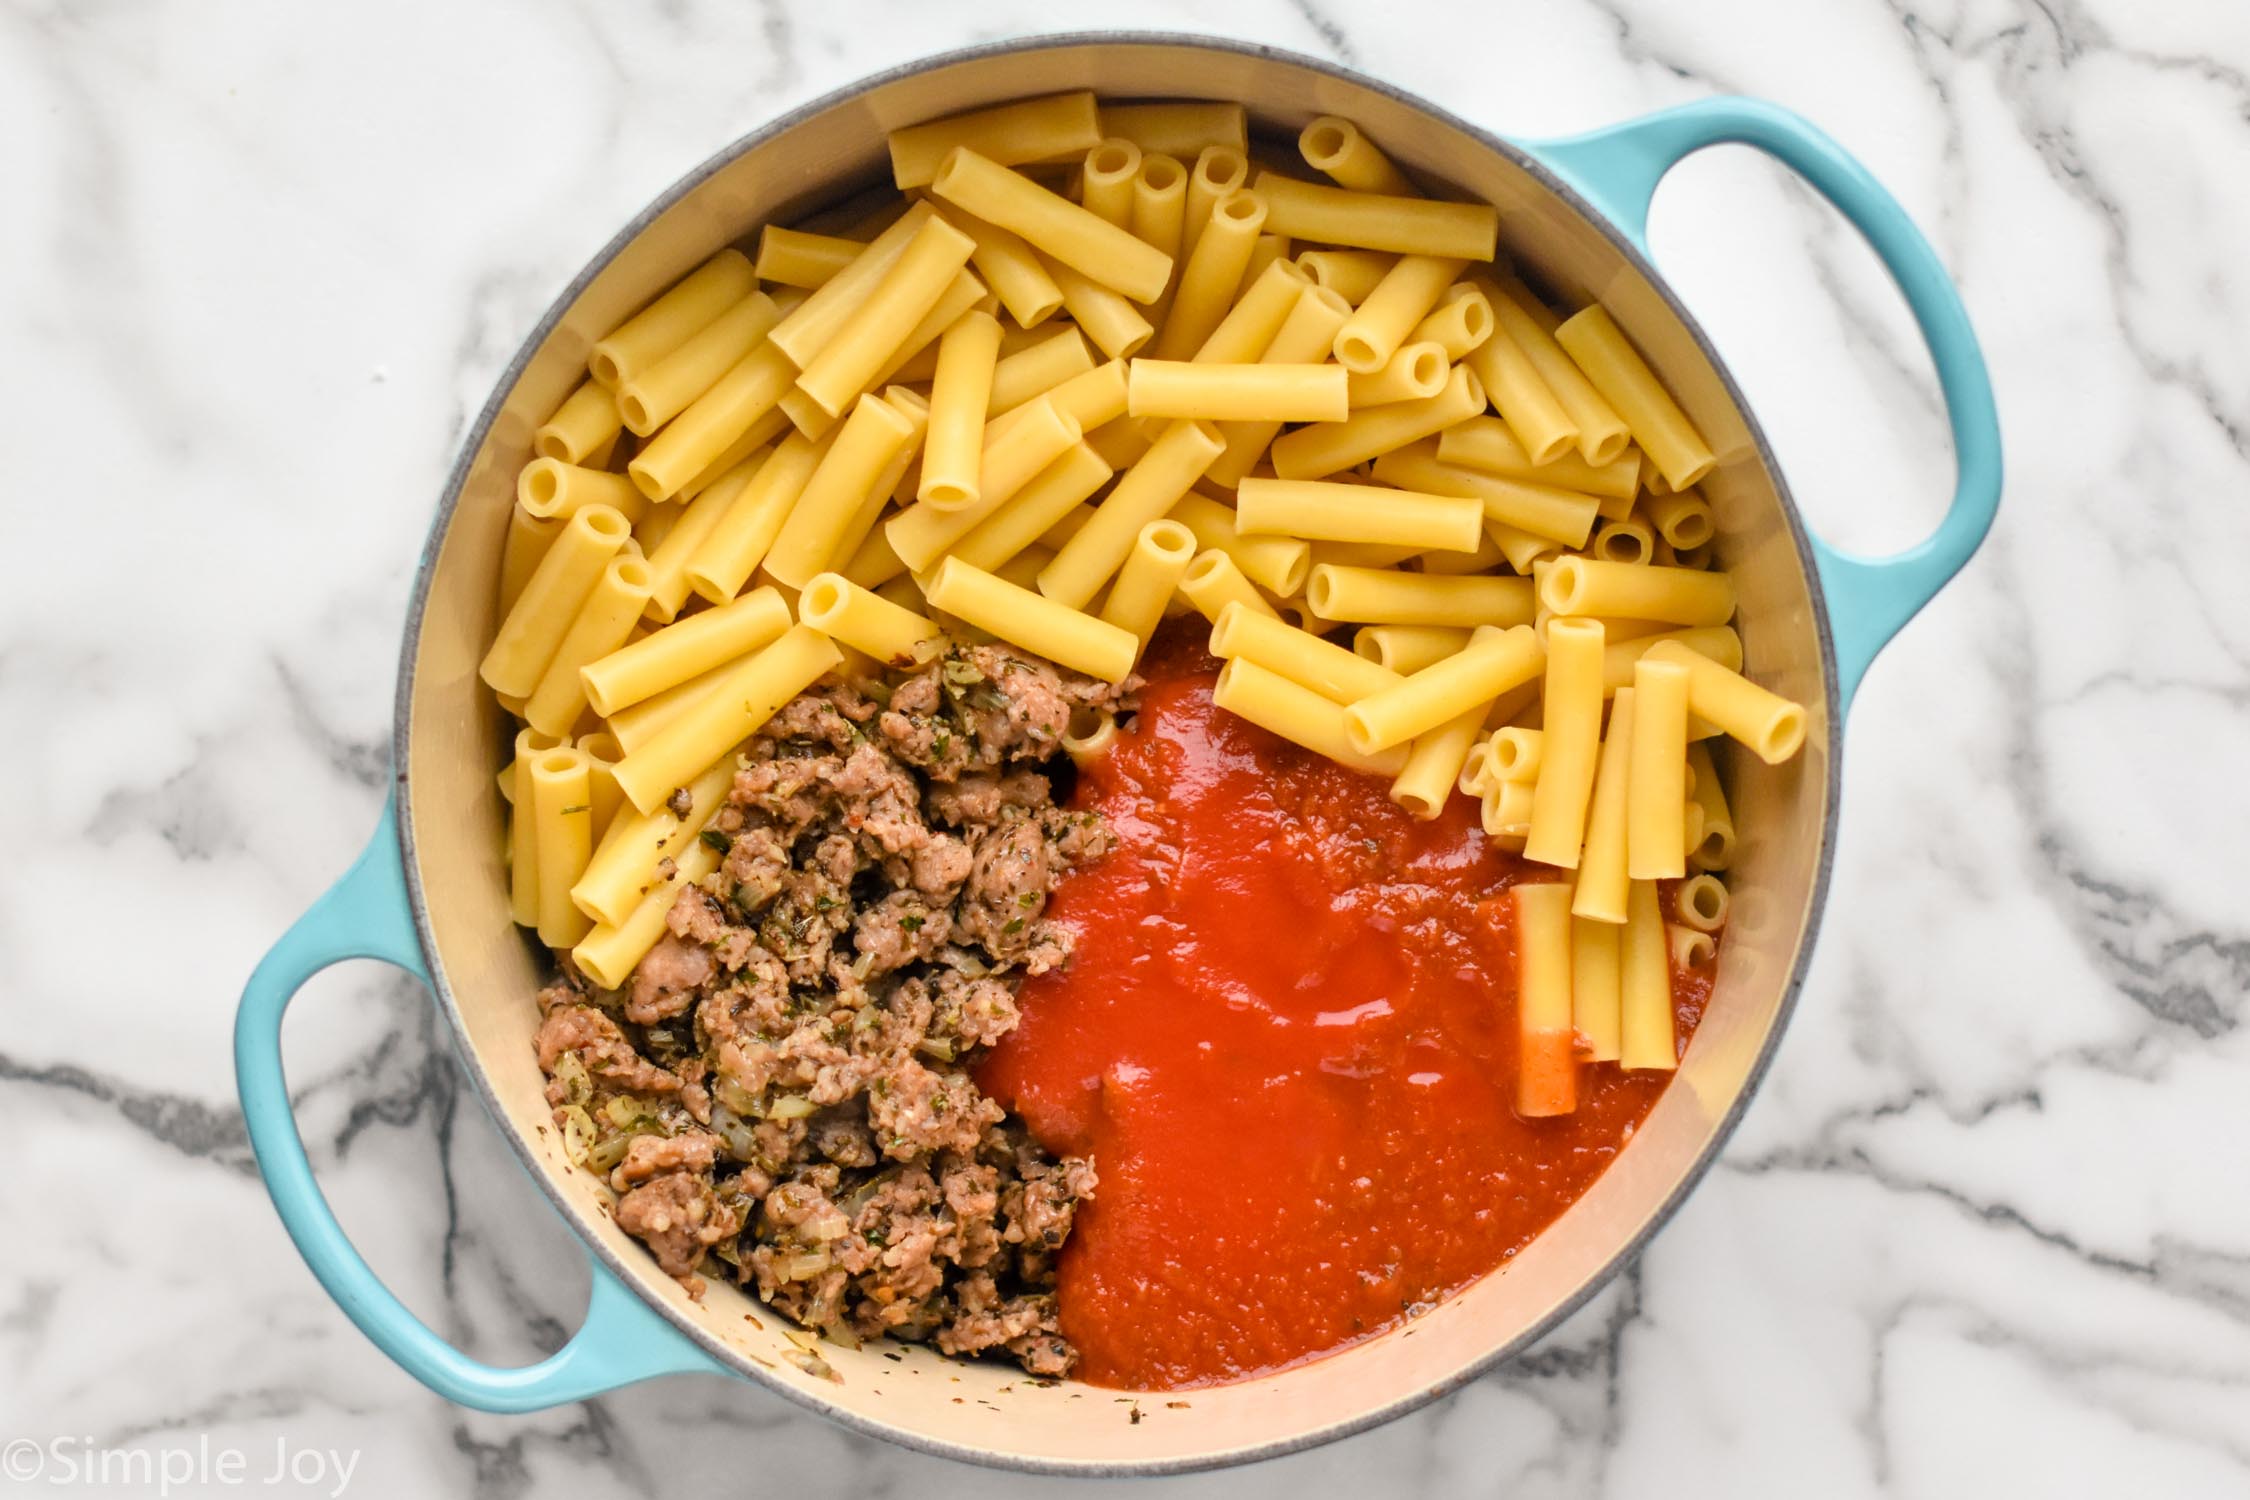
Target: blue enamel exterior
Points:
x,y
366,915
1617,170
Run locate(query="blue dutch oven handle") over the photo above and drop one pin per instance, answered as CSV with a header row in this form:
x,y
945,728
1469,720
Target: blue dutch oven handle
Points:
x,y
1869,598
366,915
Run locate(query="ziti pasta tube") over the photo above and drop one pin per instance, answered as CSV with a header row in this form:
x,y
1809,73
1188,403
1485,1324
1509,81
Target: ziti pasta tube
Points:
x,y
1105,183
1595,951
1027,130
1460,324
1299,715
1012,269
1645,985
1036,370
1178,128
668,657
1772,727
604,620
843,611
1334,147
1627,541
1487,443
1571,724
662,326
1219,171
1211,275
1147,491
1303,338
1678,596
1088,740
1350,274
580,426
1248,329
1318,451
730,550
1524,400
529,536
1379,221
1014,459
1515,752
1656,772
562,804
602,753
1400,300
1381,596
809,540
1702,902
743,399
608,955
1494,661
1433,763
1595,343
1414,372
1034,510
1319,511
1407,648
1714,849
1304,658
556,491
527,638
1279,563
668,565
1547,1066
629,861
653,396
1682,518
1602,433
1619,657
1033,621
809,327
1237,393
738,703
1053,225
523,827
878,329
1161,553
1160,208
960,395
793,257
1106,316
1213,582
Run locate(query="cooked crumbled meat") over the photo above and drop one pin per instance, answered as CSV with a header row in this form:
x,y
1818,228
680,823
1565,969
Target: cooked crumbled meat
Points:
x,y
901,929
680,1216
1007,889
940,865
782,1091
601,1048
670,974
681,802
651,1155
919,1111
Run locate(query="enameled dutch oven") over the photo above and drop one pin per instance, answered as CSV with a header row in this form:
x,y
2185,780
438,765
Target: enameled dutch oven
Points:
x,y
429,895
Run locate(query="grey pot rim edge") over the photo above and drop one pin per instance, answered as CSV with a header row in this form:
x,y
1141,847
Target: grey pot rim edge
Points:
x,y
607,1262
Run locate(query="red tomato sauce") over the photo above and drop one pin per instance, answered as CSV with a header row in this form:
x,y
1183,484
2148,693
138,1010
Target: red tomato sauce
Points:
x,y
1287,1039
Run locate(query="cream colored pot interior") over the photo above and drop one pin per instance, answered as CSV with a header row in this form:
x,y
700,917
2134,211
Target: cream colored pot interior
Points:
x,y
452,741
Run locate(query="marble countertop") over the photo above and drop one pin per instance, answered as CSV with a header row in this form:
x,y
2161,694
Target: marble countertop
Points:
x,y
1986,1229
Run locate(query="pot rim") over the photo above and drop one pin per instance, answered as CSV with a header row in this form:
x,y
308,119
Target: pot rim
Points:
x,y
472,443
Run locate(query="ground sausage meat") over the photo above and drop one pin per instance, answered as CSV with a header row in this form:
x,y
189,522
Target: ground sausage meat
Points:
x,y
781,1091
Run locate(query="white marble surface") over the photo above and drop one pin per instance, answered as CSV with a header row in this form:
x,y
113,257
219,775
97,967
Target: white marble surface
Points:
x,y
1986,1230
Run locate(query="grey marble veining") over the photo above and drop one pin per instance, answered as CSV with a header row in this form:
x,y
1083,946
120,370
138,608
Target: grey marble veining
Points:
x,y
1986,1229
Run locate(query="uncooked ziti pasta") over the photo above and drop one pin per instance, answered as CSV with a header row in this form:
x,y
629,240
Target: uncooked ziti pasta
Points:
x,y
847,548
